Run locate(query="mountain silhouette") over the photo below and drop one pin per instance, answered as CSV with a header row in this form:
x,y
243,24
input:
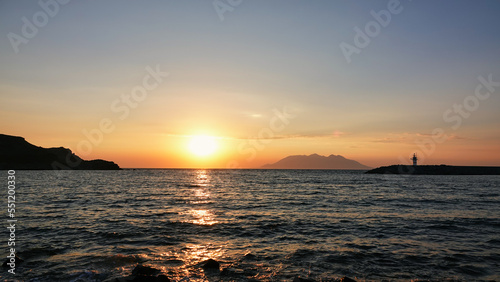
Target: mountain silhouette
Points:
x,y
17,153
316,161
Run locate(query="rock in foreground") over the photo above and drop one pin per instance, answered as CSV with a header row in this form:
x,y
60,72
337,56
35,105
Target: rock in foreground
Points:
x,y
142,273
211,265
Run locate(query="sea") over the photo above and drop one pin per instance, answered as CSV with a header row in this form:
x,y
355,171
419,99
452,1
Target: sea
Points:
x,y
260,225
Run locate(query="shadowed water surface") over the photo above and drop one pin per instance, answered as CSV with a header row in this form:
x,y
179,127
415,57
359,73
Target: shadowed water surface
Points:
x,y
269,225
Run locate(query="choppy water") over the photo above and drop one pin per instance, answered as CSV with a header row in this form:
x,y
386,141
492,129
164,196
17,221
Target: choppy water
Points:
x,y
268,225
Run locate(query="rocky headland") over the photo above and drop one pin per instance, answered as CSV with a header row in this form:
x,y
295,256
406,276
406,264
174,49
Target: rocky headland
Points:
x,y
18,154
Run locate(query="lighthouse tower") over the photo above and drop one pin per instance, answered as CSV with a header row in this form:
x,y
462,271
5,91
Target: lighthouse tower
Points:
x,y
414,159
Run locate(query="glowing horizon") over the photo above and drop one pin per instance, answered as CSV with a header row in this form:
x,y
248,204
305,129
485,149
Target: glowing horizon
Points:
x,y
367,80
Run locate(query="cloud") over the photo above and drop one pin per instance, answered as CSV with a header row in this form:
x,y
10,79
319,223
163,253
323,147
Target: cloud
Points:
x,y
396,138
410,138
334,134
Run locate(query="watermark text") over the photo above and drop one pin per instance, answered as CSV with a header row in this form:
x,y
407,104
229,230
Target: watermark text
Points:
x,y
11,221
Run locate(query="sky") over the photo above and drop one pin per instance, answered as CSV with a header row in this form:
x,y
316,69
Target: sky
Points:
x,y
136,82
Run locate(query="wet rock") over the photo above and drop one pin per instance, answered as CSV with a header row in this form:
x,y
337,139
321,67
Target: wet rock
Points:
x,y
142,273
145,270
299,279
249,256
162,278
347,279
211,265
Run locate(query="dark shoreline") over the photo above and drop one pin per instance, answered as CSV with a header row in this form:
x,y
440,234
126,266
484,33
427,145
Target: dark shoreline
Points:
x,y
436,170
18,154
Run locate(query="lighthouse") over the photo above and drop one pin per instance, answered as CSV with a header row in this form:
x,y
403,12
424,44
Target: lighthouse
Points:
x,y
414,159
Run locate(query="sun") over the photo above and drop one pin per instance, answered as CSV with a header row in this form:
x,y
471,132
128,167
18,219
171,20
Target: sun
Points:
x,y
202,145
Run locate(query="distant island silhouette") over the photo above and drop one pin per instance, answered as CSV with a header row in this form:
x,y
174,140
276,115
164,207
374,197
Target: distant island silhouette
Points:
x,y
17,153
436,170
316,161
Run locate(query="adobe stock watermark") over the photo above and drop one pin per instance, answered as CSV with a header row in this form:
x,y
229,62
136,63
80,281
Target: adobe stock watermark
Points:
x,y
251,146
363,37
455,115
122,108
223,6
12,258
31,27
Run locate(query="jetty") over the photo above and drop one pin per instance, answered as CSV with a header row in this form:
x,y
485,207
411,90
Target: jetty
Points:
x,y
436,170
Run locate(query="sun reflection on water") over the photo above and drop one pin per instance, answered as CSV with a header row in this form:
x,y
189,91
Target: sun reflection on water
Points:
x,y
202,196
186,261
195,254
202,177
202,217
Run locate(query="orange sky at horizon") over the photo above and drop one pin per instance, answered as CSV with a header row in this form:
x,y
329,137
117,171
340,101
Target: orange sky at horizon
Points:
x,y
267,81
173,151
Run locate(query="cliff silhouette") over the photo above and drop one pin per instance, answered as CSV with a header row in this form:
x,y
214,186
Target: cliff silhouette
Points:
x,y
316,161
17,153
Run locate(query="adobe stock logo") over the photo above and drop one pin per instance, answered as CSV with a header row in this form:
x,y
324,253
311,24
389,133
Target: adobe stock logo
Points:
x,y
223,6
363,38
265,136
455,116
39,19
121,108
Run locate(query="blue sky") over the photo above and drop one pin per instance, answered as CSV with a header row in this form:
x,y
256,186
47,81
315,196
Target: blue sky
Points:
x,y
227,75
